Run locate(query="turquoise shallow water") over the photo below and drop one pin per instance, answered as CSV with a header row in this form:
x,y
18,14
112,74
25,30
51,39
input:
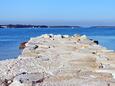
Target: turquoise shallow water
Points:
x,y
11,38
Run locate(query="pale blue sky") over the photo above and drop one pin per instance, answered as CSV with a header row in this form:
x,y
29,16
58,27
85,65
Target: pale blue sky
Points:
x,y
58,12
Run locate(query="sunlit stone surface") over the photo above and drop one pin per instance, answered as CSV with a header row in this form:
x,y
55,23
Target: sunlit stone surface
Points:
x,y
60,60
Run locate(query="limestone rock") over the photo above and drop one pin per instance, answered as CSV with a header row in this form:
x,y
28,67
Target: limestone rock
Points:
x,y
60,60
27,79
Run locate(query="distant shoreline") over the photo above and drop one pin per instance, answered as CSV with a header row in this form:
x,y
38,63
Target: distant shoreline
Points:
x,y
45,26
35,26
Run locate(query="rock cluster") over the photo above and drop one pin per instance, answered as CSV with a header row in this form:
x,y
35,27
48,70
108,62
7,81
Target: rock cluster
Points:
x,y
60,60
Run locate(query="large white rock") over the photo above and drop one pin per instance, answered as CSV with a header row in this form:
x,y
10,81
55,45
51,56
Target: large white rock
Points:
x,y
17,83
27,79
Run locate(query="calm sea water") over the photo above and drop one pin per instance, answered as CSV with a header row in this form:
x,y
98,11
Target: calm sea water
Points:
x,y
10,39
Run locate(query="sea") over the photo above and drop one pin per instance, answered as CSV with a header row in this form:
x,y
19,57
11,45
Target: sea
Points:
x,y
10,39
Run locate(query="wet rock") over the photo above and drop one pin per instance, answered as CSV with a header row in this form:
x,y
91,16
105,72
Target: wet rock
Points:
x,y
65,36
35,47
96,42
22,45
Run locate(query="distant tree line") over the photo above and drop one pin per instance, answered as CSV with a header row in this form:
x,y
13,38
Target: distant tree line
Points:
x,y
23,26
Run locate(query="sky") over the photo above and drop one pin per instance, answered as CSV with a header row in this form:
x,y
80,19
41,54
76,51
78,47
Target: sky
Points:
x,y
58,12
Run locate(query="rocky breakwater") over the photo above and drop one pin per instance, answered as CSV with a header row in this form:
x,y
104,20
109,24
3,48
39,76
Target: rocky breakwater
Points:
x,y
60,60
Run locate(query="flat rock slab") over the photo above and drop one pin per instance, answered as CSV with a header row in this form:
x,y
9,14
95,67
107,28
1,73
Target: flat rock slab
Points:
x,y
28,79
